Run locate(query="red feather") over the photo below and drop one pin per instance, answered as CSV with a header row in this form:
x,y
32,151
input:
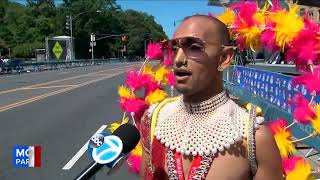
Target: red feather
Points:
x,y
278,124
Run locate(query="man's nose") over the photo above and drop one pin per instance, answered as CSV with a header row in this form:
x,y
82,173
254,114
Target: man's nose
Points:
x,y
179,58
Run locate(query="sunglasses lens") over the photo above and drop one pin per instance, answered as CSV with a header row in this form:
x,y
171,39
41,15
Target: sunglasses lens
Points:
x,y
193,47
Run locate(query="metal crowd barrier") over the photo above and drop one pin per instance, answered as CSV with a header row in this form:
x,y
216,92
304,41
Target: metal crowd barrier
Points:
x,y
270,110
23,66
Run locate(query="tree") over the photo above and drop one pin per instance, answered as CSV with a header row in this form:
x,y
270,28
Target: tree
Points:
x,y
24,28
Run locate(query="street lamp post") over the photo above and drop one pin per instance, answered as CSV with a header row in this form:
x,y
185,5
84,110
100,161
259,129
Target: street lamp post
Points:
x,y
70,19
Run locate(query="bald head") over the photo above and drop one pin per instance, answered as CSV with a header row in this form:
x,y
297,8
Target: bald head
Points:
x,y
211,28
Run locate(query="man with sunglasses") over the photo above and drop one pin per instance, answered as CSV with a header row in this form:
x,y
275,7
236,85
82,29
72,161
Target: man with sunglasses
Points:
x,y
203,134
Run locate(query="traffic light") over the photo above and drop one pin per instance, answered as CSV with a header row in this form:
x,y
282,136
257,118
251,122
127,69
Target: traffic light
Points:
x,y
68,22
124,38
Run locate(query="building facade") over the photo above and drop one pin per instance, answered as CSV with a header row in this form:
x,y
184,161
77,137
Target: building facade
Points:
x,y
310,7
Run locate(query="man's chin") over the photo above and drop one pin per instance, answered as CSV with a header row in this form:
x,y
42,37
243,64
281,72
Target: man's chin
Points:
x,y
183,89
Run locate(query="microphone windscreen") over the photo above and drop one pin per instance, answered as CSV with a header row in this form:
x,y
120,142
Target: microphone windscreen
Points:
x,y
129,136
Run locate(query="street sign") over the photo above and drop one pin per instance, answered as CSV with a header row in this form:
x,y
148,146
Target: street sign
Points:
x,y
94,44
93,37
57,50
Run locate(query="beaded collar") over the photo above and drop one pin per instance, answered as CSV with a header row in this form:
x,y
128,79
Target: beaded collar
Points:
x,y
209,128
207,105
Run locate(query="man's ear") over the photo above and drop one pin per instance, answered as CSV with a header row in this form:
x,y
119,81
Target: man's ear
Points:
x,y
226,57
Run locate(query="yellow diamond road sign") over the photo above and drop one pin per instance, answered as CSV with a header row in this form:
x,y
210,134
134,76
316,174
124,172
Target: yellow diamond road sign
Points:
x,y
57,50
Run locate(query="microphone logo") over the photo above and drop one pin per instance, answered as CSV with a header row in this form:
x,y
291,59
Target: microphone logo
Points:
x,y
96,141
108,151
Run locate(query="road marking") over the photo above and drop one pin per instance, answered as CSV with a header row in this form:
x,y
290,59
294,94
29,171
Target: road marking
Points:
x,y
84,148
59,80
49,87
33,99
99,74
63,73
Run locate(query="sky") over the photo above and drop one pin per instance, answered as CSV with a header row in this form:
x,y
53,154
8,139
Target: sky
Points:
x,y
165,12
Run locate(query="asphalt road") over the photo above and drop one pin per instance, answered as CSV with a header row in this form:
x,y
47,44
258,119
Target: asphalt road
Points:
x,y
60,111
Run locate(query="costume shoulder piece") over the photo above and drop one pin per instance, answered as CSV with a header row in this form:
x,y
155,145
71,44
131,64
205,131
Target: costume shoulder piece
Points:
x,y
201,129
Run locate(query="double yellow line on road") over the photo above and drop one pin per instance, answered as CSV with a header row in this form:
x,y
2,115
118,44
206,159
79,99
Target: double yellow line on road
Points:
x,y
33,99
59,80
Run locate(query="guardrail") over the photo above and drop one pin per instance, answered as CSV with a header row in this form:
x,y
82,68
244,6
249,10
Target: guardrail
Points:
x,y
20,66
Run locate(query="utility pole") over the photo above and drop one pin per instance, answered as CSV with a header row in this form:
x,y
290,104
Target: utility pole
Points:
x,y
9,53
92,44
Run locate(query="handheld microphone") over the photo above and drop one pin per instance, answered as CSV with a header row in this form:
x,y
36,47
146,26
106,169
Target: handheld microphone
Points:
x,y
113,151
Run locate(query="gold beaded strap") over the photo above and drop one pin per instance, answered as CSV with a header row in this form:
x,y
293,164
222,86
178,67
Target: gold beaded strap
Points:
x,y
251,142
155,114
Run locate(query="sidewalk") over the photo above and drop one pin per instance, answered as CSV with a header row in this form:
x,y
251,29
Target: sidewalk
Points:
x,y
313,157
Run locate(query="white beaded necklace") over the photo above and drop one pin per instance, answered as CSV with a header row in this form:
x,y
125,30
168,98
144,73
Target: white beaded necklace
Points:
x,y
203,128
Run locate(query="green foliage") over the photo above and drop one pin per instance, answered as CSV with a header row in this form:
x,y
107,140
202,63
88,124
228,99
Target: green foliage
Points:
x,y
25,27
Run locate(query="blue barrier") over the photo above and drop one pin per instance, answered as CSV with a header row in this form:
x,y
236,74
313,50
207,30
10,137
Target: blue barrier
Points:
x,y
250,85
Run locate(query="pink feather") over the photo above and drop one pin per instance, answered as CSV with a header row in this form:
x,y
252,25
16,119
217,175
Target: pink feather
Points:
x,y
246,10
304,47
133,105
278,124
151,86
268,41
267,38
134,163
137,80
302,113
288,164
275,6
171,79
241,43
310,80
168,57
154,51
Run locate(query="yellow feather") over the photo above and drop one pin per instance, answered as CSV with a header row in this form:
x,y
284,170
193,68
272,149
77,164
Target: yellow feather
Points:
x,y
160,74
251,36
283,140
115,126
137,151
227,17
260,16
147,69
156,96
125,92
288,25
315,122
302,171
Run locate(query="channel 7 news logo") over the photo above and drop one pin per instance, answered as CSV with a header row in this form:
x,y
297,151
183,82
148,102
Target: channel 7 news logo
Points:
x,y
26,156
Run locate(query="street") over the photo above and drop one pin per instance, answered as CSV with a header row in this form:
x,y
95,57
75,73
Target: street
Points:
x,y
58,110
